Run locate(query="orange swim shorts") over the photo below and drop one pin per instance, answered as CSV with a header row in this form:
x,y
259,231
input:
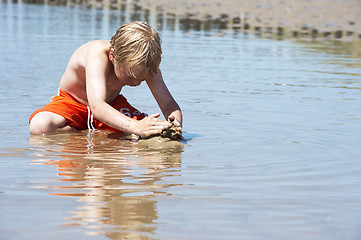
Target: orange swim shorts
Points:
x,y
79,115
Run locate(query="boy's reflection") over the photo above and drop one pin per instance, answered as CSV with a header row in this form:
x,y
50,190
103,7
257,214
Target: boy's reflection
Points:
x,y
116,179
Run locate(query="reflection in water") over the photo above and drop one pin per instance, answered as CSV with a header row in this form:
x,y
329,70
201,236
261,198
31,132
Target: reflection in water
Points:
x,y
275,19
114,179
322,19
347,49
79,22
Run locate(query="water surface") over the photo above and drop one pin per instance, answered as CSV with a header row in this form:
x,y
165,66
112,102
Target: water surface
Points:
x,y
272,130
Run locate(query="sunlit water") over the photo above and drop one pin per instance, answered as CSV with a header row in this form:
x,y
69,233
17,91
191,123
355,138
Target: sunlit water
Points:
x,y
272,146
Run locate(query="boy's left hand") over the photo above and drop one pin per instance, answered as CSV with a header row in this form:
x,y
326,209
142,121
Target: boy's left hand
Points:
x,y
173,120
176,123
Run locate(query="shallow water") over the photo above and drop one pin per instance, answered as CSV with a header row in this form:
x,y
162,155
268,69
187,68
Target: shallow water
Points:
x,y
272,130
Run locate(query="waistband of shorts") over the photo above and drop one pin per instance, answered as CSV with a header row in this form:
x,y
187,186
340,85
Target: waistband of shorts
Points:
x,y
62,93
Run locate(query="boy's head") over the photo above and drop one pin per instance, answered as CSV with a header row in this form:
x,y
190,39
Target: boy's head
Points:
x,y
137,46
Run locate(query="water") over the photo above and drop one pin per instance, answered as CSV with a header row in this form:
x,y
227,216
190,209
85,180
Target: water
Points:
x,y
272,129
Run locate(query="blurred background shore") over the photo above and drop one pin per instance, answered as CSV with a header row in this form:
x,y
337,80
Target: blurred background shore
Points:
x,y
315,19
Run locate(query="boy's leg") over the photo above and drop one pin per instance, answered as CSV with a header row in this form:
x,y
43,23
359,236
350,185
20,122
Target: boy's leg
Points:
x,y
63,113
48,122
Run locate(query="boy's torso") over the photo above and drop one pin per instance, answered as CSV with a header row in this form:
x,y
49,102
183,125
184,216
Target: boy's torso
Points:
x,y
73,80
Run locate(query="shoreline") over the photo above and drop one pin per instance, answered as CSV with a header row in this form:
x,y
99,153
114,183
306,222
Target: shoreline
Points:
x,y
316,19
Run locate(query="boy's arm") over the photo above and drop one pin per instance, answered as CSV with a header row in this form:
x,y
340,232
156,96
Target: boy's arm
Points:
x,y
97,67
165,100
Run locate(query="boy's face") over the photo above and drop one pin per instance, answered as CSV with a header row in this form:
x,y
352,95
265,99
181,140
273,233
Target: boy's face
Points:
x,y
122,75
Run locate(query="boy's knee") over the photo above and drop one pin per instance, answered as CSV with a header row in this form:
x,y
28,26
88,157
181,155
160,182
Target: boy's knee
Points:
x,y
44,122
39,125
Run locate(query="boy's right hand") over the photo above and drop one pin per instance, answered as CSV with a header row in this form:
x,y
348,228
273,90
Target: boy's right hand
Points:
x,y
150,126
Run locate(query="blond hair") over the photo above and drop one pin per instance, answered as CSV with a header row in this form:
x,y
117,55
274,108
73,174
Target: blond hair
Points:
x,y
138,47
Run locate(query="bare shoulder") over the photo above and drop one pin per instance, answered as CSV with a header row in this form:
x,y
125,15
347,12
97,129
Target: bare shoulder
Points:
x,y
97,45
91,50
96,48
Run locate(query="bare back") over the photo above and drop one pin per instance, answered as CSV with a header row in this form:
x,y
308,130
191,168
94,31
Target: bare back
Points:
x,y
74,79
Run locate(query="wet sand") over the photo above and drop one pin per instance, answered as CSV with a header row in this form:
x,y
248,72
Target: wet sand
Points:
x,y
328,17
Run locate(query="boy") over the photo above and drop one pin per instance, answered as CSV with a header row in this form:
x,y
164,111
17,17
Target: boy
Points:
x,y
90,87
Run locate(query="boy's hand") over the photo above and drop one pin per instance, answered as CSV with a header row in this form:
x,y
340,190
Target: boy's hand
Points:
x,y
150,126
175,123
173,120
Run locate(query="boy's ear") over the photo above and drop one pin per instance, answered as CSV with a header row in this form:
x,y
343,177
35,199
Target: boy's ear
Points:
x,y
111,55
